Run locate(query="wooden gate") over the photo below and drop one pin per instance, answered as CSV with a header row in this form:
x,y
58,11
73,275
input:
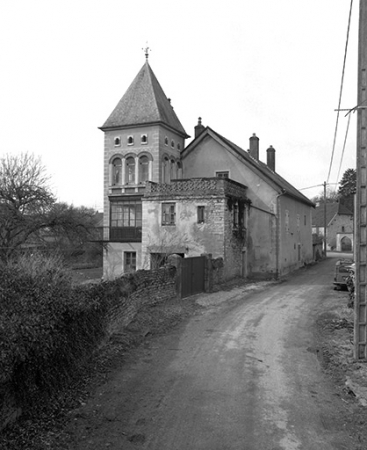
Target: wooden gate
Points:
x,y
193,276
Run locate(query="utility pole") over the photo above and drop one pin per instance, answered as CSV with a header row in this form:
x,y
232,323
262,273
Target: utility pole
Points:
x,y
360,302
325,224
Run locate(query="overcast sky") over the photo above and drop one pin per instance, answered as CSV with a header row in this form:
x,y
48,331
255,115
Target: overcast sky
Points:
x,y
267,67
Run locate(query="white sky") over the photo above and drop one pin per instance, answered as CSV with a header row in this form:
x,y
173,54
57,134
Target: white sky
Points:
x,y
267,67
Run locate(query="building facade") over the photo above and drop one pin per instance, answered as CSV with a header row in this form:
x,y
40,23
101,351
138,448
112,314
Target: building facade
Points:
x,y
162,197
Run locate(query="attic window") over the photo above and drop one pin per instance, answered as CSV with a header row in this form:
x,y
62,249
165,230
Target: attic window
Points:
x,y
166,140
130,140
117,141
223,174
144,139
173,143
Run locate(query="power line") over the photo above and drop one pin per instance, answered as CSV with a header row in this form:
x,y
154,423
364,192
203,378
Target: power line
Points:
x,y
316,185
345,142
341,89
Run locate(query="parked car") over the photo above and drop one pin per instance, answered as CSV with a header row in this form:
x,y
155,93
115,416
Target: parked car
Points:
x,y
342,272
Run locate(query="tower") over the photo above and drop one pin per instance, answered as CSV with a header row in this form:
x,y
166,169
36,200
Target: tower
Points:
x,y
143,139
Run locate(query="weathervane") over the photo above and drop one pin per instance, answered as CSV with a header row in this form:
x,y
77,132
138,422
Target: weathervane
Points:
x,y
146,51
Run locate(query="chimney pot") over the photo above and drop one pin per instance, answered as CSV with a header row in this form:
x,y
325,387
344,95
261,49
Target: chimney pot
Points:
x,y
199,128
270,158
254,146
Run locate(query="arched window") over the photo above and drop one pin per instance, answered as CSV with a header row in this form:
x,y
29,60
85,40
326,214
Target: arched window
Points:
x,y
116,171
144,139
143,169
130,140
173,174
165,170
130,170
117,141
166,140
179,169
173,143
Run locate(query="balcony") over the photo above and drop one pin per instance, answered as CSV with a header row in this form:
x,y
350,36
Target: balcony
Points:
x,y
118,234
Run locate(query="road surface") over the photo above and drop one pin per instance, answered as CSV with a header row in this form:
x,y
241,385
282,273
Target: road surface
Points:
x,y
242,374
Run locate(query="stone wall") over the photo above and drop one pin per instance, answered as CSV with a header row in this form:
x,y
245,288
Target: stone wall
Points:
x,y
149,287
152,287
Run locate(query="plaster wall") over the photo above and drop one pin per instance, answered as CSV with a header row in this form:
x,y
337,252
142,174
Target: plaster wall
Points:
x,y
190,238
295,233
210,157
113,258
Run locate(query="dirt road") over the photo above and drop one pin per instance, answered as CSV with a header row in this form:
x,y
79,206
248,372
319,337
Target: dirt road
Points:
x,y
242,374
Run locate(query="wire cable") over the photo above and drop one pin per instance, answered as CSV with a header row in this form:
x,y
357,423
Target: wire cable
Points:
x,y
341,90
345,141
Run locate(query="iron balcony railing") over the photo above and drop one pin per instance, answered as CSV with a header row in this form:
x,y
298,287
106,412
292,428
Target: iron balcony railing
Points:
x,y
119,234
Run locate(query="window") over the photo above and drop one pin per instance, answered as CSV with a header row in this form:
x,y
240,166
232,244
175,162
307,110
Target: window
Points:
x,y
168,213
173,143
130,262
224,174
116,171
235,215
130,170
178,146
143,169
126,213
126,219
165,170
130,140
343,229
305,220
166,140
117,141
200,211
286,221
144,139
173,173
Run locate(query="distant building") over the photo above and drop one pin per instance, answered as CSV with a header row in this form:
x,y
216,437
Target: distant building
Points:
x,y
339,226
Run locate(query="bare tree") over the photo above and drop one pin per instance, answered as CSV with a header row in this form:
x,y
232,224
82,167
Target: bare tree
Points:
x,y
28,209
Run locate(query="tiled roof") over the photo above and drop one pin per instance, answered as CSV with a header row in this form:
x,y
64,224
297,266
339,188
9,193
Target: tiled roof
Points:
x,y
144,103
272,176
332,209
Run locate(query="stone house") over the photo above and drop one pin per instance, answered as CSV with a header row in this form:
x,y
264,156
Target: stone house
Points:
x,y
339,225
211,196
190,217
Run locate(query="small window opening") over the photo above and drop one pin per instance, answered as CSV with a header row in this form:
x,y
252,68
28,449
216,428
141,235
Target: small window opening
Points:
x,y
130,140
166,140
222,174
201,211
144,139
173,143
117,141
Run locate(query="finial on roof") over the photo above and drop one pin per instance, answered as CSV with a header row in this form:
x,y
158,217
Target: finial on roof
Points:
x,y
146,51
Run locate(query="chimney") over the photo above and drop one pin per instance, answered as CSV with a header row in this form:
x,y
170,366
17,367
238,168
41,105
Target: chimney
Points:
x,y
254,146
270,158
199,128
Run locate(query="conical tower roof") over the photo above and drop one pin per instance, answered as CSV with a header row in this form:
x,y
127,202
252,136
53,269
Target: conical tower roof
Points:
x,y
144,103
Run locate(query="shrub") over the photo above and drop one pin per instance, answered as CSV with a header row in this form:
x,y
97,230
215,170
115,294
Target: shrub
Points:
x,y
47,326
